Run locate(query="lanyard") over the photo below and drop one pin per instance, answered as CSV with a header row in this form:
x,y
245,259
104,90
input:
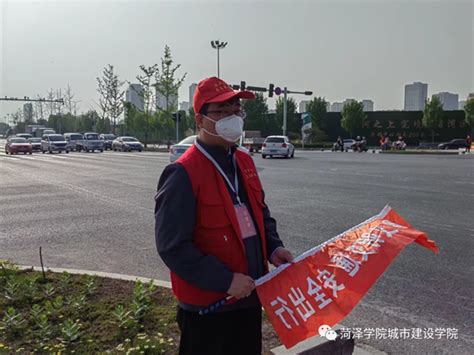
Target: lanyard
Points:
x,y
234,187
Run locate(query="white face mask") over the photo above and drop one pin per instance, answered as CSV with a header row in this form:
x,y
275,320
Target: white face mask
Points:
x,y
229,128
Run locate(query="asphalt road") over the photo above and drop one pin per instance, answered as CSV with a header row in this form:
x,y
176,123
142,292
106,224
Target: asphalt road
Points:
x,y
94,211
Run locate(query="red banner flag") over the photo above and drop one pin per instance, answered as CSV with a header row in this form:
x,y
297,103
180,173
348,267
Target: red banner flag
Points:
x,y
324,284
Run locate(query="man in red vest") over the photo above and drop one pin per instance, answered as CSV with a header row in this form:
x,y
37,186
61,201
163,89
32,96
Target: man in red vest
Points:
x,y
214,231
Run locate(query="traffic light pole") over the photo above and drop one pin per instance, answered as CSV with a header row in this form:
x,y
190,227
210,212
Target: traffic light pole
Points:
x,y
177,129
271,89
285,105
27,99
285,109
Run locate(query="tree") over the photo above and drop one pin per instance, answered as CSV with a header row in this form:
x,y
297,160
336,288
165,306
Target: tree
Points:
x,y
190,117
353,116
293,124
317,107
146,94
87,121
256,112
103,125
50,105
58,106
111,101
433,115
69,103
39,109
62,122
4,128
166,83
469,114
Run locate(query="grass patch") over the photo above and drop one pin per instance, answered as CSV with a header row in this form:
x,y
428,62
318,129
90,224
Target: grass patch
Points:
x,y
84,314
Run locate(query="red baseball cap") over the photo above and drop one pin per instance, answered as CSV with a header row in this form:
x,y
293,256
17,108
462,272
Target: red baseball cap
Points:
x,y
216,90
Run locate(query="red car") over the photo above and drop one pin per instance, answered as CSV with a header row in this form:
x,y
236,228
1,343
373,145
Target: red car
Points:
x,y
16,145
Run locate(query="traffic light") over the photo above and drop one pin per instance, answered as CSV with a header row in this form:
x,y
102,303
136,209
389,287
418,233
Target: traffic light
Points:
x,y
270,90
242,85
176,116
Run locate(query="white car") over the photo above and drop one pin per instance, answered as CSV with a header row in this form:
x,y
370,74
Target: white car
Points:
x,y
127,144
53,143
178,149
278,145
90,142
74,140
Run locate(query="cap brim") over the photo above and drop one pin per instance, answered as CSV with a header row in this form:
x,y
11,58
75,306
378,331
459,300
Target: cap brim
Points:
x,y
249,95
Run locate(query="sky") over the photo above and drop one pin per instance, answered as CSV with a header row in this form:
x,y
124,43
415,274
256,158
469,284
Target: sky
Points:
x,y
336,49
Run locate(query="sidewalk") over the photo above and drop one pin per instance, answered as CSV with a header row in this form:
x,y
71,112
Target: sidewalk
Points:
x,y
306,347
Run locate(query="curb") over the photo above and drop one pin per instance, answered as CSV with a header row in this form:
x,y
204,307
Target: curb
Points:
x,y
160,283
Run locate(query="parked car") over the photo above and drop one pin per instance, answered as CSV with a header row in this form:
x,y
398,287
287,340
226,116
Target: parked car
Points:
x,y
16,145
72,139
126,144
178,149
90,143
35,144
53,143
24,135
107,139
453,144
277,145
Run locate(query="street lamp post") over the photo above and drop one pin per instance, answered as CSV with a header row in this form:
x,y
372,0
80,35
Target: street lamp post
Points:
x,y
218,45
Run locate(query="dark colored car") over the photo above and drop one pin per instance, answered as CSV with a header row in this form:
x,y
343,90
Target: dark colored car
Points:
x,y
24,135
35,144
17,145
126,144
454,144
107,139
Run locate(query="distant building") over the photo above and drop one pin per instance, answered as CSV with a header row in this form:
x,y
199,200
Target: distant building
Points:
x,y
303,106
415,96
28,112
184,105
461,104
192,89
166,104
132,95
368,105
337,106
450,101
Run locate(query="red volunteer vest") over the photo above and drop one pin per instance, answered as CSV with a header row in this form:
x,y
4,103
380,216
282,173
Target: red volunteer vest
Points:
x,y
217,230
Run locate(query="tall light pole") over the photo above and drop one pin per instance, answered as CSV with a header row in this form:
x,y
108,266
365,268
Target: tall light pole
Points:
x,y
218,45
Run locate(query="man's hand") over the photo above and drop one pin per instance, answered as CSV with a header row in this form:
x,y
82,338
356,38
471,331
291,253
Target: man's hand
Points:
x,y
241,286
281,256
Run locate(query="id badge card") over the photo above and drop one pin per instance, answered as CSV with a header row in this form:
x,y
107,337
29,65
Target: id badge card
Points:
x,y
247,228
